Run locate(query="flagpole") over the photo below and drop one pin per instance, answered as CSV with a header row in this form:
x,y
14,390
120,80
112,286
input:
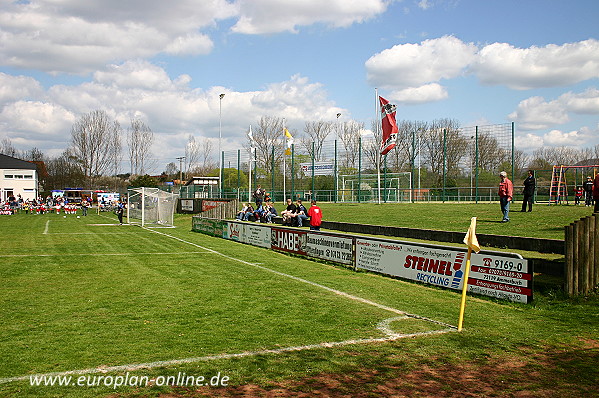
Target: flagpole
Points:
x,y
378,149
284,165
250,162
464,290
472,243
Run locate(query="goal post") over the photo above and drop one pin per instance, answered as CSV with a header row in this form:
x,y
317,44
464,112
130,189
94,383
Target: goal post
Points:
x,y
151,207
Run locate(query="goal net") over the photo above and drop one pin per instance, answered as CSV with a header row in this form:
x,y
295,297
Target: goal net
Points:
x,y
151,207
394,187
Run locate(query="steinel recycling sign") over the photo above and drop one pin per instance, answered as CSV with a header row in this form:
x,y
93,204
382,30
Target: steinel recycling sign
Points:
x,y
496,276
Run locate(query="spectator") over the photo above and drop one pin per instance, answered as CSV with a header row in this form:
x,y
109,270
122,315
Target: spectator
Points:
x,y
248,213
244,209
578,192
301,213
270,212
529,191
259,213
315,216
506,193
120,209
596,193
84,206
588,190
289,213
259,195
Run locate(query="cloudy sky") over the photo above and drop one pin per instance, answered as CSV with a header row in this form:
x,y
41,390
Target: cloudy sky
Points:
x,y
533,62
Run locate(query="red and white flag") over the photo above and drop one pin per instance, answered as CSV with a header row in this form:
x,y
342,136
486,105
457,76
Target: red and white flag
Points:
x,y
389,126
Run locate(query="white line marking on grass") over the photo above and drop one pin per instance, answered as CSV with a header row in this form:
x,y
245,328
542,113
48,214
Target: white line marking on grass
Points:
x,y
47,225
383,326
338,292
102,254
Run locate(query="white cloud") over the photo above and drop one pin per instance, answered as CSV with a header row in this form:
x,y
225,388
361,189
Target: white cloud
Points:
x,y
418,95
17,87
528,142
560,138
534,67
273,16
171,108
413,65
535,113
36,120
77,37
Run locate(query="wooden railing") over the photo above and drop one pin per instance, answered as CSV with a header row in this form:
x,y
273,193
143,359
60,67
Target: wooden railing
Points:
x,y
582,256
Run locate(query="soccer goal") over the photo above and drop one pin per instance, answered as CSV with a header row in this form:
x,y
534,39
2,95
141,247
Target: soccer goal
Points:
x,y
151,207
394,187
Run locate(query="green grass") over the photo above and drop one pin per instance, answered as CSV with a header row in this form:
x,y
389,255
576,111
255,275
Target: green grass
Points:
x,y
84,296
543,222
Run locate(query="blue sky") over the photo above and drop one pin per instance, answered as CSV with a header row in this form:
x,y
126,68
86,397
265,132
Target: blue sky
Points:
x,y
481,62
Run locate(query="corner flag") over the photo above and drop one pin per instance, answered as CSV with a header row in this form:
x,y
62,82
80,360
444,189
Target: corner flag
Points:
x,y
472,242
470,238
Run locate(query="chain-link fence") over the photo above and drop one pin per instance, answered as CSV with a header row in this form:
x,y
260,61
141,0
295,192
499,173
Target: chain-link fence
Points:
x,y
460,164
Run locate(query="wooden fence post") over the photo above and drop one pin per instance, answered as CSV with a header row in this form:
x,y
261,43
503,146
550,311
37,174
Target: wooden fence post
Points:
x,y
583,286
591,270
575,264
569,263
596,238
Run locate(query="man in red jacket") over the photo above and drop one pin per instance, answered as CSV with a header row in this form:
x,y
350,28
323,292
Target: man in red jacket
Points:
x,y
506,193
315,216
596,193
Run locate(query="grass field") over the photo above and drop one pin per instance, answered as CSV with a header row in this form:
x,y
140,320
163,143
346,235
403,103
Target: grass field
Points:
x,y
83,294
543,222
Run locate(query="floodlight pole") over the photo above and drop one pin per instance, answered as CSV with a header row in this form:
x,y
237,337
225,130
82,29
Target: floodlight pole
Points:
x,y
220,137
180,159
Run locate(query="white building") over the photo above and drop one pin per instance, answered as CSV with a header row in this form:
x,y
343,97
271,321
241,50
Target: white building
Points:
x,y
17,177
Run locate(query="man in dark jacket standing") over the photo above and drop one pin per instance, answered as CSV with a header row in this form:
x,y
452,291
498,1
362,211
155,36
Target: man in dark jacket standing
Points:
x,y
588,191
529,191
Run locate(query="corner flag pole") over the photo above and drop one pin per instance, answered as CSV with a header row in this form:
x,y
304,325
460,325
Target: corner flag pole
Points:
x,y
472,242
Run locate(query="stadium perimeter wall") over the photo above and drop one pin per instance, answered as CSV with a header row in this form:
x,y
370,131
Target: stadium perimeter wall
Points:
x,y
496,274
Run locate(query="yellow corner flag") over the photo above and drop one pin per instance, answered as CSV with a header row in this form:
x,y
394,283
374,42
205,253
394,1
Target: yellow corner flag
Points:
x,y
472,242
470,238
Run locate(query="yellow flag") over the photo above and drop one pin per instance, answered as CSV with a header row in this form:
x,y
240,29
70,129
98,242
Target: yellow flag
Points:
x,y
470,238
289,142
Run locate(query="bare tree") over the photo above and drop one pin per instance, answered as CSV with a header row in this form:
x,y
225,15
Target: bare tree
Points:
x,y
443,146
139,139
268,135
95,143
315,132
349,134
198,155
7,148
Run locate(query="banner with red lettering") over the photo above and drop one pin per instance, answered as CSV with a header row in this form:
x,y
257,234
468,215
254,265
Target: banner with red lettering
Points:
x,y
289,240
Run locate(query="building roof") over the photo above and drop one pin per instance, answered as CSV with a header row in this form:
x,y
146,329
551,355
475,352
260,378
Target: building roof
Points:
x,y
8,162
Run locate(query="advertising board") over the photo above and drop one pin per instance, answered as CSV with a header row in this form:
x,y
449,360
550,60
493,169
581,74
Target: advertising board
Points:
x,y
492,275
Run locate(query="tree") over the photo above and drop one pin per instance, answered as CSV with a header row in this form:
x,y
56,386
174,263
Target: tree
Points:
x,y
143,181
64,171
199,156
172,171
443,146
95,143
315,134
7,148
268,135
349,134
139,140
